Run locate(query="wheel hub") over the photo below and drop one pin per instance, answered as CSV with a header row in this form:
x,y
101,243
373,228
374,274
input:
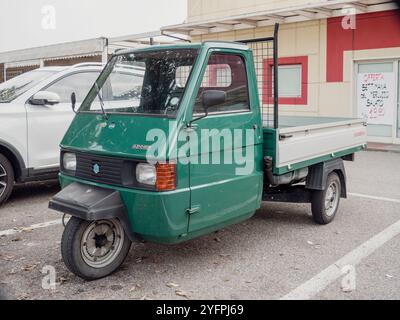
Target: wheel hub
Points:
x,y
3,180
331,198
101,242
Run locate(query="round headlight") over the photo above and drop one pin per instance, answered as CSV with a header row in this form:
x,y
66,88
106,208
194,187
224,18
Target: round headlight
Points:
x,y
146,174
69,161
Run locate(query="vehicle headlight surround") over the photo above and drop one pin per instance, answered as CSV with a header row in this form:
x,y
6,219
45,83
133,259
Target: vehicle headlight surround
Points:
x,y
69,161
146,174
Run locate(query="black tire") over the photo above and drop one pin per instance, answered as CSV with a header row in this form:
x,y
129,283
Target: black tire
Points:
x,y
321,214
6,179
72,250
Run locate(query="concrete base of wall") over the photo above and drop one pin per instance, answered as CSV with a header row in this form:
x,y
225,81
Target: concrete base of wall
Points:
x,y
386,147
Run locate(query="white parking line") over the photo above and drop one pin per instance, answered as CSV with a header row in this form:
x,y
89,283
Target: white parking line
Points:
x,y
373,197
316,284
32,227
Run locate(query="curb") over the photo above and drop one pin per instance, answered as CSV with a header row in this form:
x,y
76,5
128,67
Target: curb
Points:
x,y
383,149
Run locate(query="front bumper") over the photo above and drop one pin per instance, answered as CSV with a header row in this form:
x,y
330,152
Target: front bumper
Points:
x,y
91,203
152,216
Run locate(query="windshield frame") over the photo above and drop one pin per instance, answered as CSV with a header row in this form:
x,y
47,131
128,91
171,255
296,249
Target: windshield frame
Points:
x,y
105,73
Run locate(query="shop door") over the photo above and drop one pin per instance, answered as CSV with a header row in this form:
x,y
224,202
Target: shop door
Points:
x,y
377,99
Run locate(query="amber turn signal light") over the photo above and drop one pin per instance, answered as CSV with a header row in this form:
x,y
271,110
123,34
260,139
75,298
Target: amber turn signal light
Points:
x,y
165,176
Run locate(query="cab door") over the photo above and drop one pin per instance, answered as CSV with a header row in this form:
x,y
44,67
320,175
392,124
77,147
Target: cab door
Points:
x,y
225,166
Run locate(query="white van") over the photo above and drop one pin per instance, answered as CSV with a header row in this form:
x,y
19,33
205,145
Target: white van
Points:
x,y
35,112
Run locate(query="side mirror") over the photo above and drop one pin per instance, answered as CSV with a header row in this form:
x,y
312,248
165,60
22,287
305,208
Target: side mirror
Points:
x,y
42,98
212,98
73,101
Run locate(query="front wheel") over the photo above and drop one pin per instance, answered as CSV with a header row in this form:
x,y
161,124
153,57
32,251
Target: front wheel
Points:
x,y
6,179
94,249
325,203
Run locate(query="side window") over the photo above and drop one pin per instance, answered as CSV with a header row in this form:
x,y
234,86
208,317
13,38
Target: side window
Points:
x,y
225,72
80,83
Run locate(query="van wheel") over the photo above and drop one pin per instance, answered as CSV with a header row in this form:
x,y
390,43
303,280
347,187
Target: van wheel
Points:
x,y
6,179
325,203
94,249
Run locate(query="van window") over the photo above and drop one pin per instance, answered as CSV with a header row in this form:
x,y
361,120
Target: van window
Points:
x,y
80,83
14,87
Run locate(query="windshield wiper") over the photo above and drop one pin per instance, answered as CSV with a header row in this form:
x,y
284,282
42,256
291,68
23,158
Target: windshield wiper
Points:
x,y
101,101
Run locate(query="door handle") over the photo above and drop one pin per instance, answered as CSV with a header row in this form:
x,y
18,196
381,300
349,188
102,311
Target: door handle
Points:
x,y
194,209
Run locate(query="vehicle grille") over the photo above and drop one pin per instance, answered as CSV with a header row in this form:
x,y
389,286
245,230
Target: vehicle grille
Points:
x,y
110,169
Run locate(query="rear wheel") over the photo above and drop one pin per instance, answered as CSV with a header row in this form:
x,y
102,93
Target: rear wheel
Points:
x,y
325,203
6,179
94,249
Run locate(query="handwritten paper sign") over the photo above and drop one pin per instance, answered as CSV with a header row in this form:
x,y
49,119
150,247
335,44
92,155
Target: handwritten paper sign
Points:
x,y
376,97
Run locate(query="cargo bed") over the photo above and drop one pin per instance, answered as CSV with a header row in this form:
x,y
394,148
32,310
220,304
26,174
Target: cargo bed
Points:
x,y
303,141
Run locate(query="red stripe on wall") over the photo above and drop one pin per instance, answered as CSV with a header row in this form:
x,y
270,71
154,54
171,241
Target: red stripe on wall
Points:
x,y
375,30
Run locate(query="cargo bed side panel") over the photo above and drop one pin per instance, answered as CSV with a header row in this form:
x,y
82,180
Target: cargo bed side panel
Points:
x,y
305,143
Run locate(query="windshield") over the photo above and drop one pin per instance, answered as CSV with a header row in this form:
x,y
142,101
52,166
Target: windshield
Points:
x,y
14,87
149,82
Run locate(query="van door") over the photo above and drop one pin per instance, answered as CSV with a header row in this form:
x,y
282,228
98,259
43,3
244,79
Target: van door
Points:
x,y
47,124
225,167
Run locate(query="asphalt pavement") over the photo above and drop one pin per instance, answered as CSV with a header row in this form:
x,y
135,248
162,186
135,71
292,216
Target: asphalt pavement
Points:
x,y
279,253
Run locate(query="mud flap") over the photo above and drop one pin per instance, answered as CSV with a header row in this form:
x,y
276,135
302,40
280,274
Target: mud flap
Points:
x,y
318,174
91,203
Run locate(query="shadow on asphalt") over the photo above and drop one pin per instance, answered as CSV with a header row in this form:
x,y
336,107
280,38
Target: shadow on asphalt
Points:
x,y
218,246
285,213
33,190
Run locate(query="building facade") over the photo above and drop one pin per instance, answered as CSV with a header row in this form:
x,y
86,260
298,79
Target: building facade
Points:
x,y
336,58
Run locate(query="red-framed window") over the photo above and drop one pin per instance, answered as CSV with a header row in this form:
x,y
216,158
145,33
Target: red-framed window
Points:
x,y
299,99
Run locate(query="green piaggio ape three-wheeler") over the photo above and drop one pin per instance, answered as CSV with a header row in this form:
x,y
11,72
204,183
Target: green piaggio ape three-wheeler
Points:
x,y
174,142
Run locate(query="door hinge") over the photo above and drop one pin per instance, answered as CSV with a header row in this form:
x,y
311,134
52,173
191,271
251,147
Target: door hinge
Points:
x,y
193,210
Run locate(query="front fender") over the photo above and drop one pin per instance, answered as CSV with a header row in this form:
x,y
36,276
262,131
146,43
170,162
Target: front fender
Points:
x,y
92,203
